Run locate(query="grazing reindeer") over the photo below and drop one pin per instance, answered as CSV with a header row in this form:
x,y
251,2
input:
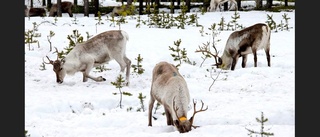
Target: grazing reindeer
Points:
x,y
92,53
214,4
244,42
118,10
170,89
66,7
32,12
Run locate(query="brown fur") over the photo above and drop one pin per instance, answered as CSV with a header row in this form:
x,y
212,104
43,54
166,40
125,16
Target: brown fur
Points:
x,y
32,12
99,50
168,87
244,42
66,7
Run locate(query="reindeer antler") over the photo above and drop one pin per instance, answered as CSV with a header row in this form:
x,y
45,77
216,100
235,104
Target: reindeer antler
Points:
x,y
205,50
175,108
194,111
50,61
57,52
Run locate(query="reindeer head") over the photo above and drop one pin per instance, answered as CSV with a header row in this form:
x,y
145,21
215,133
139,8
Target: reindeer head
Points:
x,y
182,124
57,68
205,50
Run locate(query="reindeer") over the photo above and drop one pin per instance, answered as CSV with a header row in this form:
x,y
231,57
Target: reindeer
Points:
x,y
214,4
94,52
118,10
170,89
66,7
32,12
244,42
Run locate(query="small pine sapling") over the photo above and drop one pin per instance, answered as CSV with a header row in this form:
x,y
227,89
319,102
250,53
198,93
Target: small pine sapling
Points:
x,y
30,35
271,23
55,20
121,20
51,34
73,40
75,21
139,21
286,19
99,19
138,67
141,98
193,19
101,68
182,17
262,132
280,26
113,21
119,84
180,54
234,20
221,24
202,9
88,35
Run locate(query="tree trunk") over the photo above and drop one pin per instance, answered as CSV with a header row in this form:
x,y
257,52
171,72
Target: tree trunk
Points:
x,y
31,3
86,8
286,3
96,7
225,6
188,4
157,2
49,4
258,4
75,6
172,4
269,4
43,3
59,13
140,7
239,5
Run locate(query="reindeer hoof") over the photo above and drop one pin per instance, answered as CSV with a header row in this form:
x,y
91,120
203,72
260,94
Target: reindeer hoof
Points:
x,y
100,78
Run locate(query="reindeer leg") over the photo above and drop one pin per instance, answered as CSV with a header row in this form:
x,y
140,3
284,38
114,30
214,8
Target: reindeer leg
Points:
x,y
168,115
234,62
244,61
70,12
97,79
85,78
86,74
128,62
268,54
151,102
122,61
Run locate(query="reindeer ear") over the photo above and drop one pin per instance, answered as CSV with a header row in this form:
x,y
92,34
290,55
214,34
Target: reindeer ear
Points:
x,y
63,61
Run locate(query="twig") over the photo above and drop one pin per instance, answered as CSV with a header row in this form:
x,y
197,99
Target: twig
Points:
x,y
214,79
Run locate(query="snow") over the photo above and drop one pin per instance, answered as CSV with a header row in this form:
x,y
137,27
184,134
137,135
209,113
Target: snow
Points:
x,y
90,109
